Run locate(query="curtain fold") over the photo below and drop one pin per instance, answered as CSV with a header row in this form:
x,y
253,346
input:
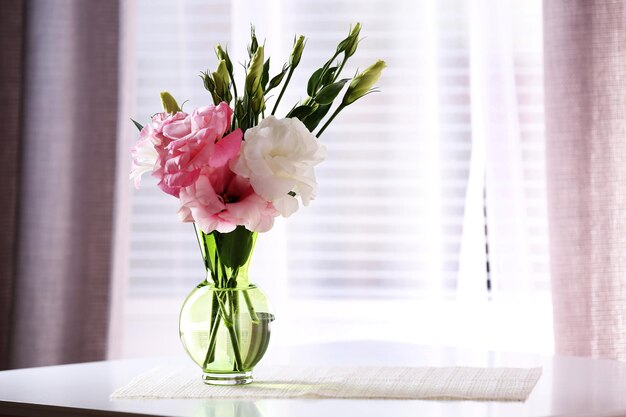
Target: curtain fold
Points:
x,y
11,43
57,271
585,73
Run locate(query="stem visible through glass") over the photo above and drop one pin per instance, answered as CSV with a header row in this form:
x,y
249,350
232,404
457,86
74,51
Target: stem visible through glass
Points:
x,y
215,320
225,256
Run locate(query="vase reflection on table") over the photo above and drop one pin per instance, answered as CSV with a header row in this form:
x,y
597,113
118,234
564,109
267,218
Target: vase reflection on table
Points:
x,y
225,321
225,408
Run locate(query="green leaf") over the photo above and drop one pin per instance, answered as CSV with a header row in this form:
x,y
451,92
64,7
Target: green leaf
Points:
x,y
137,124
314,81
265,76
328,76
301,112
314,119
234,248
275,82
327,94
292,109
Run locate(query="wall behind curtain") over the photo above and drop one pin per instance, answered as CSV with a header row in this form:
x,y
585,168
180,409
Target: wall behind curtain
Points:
x,y
63,157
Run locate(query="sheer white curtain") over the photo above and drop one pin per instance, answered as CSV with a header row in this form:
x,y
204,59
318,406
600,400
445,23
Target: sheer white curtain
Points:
x,y
507,173
505,204
396,237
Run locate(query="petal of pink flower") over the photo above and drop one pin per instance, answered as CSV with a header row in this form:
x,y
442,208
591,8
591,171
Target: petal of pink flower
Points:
x,y
203,155
184,214
206,196
215,118
253,212
239,186
181,178
167,189
177,126
224,226
226,148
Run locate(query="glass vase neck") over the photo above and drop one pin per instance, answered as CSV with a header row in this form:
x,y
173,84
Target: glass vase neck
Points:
x,y
227,256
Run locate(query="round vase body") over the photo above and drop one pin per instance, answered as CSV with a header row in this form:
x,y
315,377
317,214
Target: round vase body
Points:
x,y
211,319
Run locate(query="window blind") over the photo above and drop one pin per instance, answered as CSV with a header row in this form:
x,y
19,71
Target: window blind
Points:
x,y
387,221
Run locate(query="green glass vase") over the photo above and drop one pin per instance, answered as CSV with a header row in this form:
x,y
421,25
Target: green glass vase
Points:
x,y
225,321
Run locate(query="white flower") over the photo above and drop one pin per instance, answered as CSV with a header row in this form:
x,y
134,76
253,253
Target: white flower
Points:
x,y
278,156
144,158
143,153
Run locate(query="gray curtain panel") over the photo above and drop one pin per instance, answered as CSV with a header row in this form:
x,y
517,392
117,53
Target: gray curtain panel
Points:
x,y
11,43
59,74
585,90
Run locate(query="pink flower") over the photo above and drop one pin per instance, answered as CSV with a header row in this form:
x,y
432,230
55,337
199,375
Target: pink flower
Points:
x,y
184,144
221,200
193,142
191,157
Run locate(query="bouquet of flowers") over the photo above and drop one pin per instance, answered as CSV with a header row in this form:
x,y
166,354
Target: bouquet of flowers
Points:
x,y
234,166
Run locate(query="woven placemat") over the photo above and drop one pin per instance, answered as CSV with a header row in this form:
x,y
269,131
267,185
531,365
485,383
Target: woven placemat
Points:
x,y
446,383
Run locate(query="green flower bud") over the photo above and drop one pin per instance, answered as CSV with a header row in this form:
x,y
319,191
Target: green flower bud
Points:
x,y
223,55
222,82
254,44
296,52
210,86
239,109
221,73
255,72
257,104
349,44
169,103
208,82
363,83
354,40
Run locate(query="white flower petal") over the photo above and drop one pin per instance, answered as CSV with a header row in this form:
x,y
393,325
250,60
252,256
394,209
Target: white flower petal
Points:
x,y
286,205
278,156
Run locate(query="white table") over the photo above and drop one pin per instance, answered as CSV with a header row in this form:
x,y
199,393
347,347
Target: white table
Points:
x,y
568,386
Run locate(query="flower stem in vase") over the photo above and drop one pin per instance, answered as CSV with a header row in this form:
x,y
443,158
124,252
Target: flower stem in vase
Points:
x,y
233,327
251,310
215,322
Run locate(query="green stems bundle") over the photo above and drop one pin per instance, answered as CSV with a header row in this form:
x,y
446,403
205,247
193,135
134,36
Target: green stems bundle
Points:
x,y
226,259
